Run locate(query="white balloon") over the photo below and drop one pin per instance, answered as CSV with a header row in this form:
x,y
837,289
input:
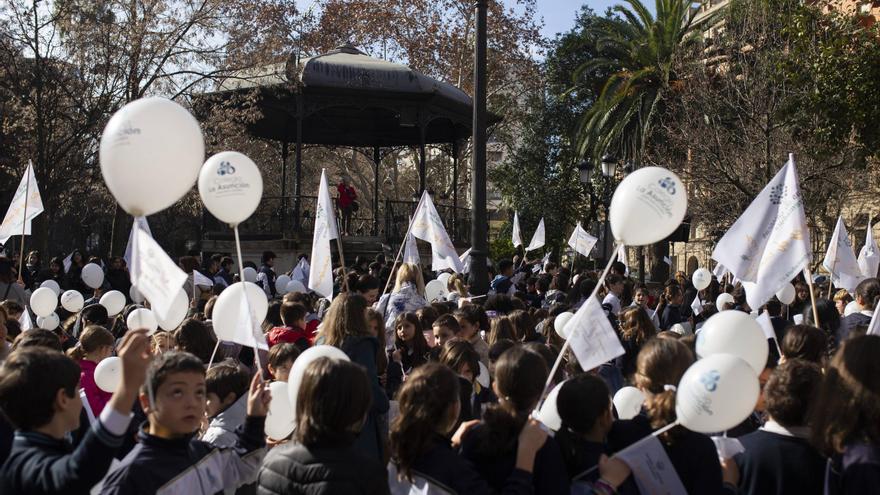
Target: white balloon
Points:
x,y
135,295
722,299
52,285
716,393
851,307
250,275
648,205
279,420
93,275
142,318
281,283
444,277
108,374
296,286
114,301
701,278
302,362
228,305
549,414
176,314
151,153
44,301
560,322
628,402
72,301
483,378
435,290
736,333
786,294
50,322
231,186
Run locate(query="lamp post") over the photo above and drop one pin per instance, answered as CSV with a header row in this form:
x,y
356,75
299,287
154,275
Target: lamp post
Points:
x,y
609,168
479,280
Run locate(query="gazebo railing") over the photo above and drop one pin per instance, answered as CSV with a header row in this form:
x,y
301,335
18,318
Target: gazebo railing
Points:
x,y
276,218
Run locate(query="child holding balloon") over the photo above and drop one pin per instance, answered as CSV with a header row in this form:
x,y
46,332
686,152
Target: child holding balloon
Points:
x,y
410,351
95,345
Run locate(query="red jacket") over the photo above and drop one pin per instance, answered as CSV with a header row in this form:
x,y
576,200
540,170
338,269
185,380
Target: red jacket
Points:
x,y
347,195
292,335
97,397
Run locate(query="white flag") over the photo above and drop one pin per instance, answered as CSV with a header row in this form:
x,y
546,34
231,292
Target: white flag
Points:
x,y
154,274
68,262
247,320
719,271
621,257
321,280
770,243
465,260
840,260
427,226
517,239
202,280
411,251
874,325
591,336
17,219
697,305
538,238
869,258
651,467
25,320
581,241
142,223
301,272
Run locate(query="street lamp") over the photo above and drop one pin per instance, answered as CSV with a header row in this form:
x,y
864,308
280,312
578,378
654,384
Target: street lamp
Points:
x,y
609,168
586,172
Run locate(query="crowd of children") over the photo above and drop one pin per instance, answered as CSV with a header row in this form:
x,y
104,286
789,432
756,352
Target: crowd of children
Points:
x,y
436,396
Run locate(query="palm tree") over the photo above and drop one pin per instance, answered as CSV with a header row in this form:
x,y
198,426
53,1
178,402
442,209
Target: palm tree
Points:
x,y
638,50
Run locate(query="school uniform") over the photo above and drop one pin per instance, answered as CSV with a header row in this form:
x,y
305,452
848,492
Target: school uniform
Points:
x,y
779,460
856,471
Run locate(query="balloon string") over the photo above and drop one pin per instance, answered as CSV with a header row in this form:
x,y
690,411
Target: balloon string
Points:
x,y
567,343
630,447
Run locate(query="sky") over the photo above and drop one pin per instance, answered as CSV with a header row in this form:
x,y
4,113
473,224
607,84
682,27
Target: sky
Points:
x,y
559,15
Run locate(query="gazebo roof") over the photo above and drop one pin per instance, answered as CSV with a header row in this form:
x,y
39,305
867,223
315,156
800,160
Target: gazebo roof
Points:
x,y
348,98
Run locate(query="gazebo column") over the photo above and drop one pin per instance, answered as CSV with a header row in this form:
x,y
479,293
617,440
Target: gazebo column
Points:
x,y
297,185
422,158
376,160
455,189
285,154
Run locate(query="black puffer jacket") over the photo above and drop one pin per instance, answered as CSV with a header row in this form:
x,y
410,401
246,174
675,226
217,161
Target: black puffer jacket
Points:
x,y
323,469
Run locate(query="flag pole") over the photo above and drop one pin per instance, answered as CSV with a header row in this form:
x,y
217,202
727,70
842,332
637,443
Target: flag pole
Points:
x,y
244,291
400,251
809,275
27,185
342,262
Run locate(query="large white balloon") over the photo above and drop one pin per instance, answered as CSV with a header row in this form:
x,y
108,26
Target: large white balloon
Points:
x,y
279,420
228,305
281,283
560,322
435,290
701,278
44,301
628,402
142,318
296,286
302,362
444,277
52,285
723,299
108,374
736,333
93,275
72,301
114,301
648,205
50,322
716,393
786,294
250,275
231,186
135,295
176,314
151,153
549,414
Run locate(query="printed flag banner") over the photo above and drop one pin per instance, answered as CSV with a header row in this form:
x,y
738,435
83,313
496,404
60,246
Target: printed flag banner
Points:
x,y
321,278
840,260
26,205
428,226
538,238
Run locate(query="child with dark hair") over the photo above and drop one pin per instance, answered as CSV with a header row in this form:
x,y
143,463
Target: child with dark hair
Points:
x,y
500,328
846,419
444,329
226,385
196,338
421,448
332,404
39,396
502,283
410,351
37,337
293,316
804,342
867,293
469,317
584,406
167,457
281,358
496,350
492,445
460,356
427,316
778,458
